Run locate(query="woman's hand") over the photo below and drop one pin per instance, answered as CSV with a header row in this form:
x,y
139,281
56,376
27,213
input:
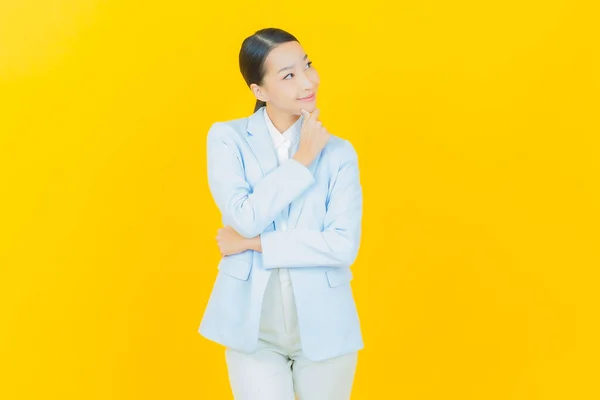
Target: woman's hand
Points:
x,y
313,138
230,242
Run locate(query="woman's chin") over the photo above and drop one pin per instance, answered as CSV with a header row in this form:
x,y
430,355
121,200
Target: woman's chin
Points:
x,y
308,107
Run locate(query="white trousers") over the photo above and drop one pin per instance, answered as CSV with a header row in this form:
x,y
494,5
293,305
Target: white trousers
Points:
x,y
278,369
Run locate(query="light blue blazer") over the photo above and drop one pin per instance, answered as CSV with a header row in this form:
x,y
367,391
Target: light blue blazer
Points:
x,y
324,213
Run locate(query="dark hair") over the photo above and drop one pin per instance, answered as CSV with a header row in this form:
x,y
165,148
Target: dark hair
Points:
x,y
254,51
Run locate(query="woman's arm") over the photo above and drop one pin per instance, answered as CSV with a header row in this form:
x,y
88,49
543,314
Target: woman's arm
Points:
x,y
337,244
249,211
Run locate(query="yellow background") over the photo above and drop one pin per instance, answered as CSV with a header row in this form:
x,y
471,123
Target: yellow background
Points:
x,y
476,125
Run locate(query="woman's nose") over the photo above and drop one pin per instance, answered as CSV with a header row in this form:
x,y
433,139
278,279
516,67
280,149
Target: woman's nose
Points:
x,y
306,83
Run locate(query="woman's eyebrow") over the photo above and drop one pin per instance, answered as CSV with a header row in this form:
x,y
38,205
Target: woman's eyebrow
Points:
x,y
291,66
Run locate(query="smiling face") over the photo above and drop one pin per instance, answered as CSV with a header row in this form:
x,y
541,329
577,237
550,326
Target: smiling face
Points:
x,y
290,82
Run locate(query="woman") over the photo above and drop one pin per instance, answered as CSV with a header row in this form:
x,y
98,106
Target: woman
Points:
x,y
291,203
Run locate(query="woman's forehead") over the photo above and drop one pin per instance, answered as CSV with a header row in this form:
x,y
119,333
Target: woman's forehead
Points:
x,y
285,55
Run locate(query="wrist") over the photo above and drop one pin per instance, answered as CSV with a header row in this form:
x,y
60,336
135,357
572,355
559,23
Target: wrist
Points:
x,y
254,244
302,158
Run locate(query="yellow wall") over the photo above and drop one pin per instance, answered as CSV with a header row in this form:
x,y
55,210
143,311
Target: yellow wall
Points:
x,y
477,130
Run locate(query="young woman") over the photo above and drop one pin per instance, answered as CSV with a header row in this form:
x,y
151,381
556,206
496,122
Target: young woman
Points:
x,y
291,203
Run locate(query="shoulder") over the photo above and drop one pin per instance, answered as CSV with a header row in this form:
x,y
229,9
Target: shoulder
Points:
x,y
229,129
340,150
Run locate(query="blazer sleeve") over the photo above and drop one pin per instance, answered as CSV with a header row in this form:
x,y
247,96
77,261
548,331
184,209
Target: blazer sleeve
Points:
x,y
249,210
338,243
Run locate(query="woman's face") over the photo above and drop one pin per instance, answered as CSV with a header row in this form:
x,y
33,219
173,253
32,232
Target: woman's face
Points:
x,y
289,79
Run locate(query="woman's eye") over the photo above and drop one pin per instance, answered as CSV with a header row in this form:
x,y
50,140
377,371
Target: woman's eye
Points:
x,y
308,65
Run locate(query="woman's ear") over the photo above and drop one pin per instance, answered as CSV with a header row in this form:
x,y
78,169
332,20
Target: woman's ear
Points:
x,y
258,92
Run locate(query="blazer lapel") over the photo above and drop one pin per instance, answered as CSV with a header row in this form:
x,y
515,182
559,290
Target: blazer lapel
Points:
x,y
260,142
262,146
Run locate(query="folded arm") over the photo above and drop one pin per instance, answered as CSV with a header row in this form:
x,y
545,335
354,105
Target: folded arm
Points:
x,y
249,211
338,243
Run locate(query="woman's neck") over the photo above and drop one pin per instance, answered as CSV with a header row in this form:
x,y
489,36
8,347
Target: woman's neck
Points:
x,y
281,121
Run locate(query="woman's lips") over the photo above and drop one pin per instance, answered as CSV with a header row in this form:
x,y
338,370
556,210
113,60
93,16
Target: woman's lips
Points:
x,y
309,98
